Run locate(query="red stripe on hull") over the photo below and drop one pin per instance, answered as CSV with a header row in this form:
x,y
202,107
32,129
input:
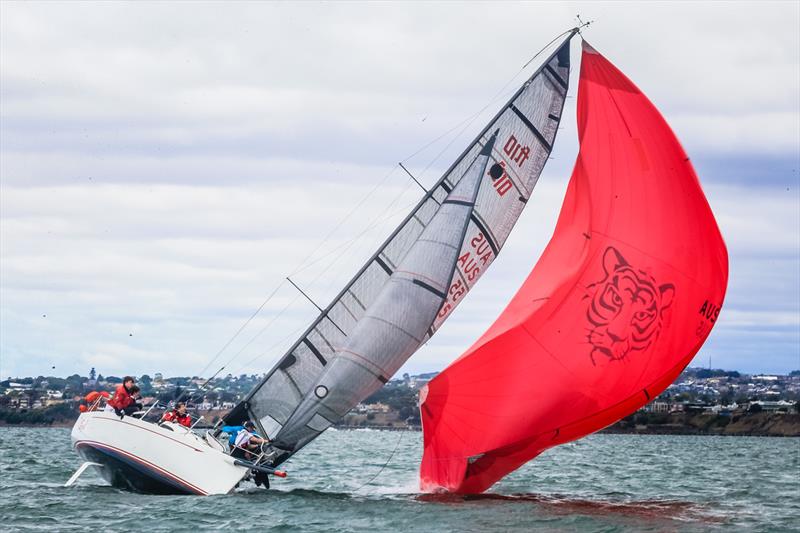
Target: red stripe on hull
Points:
x,y
188,486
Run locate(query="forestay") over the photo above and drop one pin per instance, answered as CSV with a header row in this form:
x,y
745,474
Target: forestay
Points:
x,y
409,287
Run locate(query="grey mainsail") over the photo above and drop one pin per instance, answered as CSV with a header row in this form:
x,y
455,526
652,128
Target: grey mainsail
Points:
x,y
397,322
409,287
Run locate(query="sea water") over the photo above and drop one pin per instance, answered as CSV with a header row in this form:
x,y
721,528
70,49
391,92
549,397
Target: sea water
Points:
x,y
366,480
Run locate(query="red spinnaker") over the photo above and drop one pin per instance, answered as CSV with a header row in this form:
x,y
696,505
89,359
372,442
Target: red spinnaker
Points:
x,y
623,297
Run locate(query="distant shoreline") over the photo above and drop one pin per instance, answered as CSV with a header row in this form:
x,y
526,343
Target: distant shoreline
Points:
x,y
750,425
607,431
610,431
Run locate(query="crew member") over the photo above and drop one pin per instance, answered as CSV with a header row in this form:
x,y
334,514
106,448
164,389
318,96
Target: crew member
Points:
x,y
244,442
123,403
179,415
243,439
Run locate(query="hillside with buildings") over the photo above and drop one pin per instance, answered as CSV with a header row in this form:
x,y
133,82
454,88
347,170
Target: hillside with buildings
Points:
x,y
701,401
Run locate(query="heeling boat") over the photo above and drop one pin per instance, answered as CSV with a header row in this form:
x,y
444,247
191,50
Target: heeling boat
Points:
x,y
145,456
391,307
621,300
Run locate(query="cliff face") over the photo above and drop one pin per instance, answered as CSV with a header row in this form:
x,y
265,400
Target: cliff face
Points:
x,y
744,424
779,425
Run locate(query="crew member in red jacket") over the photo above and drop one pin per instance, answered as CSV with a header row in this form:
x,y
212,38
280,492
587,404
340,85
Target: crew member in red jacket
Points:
x,y
178,415
123,402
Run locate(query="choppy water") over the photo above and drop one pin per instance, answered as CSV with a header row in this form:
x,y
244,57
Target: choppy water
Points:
x,y
601,483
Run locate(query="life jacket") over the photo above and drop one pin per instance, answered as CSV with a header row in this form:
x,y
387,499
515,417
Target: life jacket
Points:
x,y
121,399
175,416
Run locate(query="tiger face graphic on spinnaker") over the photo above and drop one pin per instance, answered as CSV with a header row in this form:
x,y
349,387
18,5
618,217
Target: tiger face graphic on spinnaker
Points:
x,y
626,309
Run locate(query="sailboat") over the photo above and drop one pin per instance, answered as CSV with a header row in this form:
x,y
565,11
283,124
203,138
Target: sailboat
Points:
x,y
395,302
625,294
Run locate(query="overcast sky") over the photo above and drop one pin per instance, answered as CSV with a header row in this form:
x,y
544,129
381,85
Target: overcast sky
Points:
x,y
164,166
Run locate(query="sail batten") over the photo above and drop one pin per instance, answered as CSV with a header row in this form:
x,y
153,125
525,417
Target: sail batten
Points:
x,y
423,270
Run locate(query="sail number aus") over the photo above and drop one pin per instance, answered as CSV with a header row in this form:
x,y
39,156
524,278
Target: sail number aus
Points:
x,y
470,264
709,313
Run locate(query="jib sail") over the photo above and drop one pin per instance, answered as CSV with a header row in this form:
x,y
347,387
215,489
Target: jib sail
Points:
x,y
622,299
403,294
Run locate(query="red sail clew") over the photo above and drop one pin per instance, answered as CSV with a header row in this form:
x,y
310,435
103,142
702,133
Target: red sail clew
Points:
x,y
623,297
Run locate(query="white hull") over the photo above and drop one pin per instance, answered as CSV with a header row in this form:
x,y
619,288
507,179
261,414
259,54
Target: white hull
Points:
x,y
147,457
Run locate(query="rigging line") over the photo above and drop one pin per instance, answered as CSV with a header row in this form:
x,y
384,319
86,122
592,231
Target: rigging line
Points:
x,y
340,249
312,282
199,389
241,328
498,95
375,224
270,348
384,464
453,140
300,267
304,294
469,121
260,332
286,307
344,247
494,98
347,216
370,244
274,318
440,137
470,118
557,37
410,175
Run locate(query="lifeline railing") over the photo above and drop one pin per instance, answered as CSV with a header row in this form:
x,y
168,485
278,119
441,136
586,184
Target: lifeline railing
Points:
x,y
95,406
155,403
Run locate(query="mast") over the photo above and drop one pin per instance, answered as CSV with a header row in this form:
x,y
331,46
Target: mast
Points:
x,y
526,127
